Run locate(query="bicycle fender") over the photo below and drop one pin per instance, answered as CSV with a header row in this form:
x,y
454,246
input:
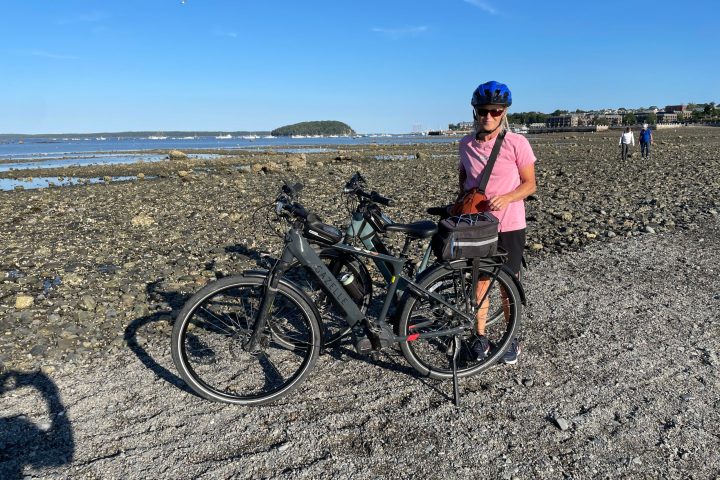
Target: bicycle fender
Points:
x,y
518,284
490,261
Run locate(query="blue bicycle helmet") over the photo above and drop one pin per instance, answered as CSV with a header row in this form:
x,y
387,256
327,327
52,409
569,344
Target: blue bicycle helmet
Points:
x,y
492,93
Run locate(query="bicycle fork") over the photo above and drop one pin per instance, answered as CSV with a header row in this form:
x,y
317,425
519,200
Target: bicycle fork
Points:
x,y
271,288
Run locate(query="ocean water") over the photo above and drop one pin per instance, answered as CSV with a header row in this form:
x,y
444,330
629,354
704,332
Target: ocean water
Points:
x,y
56,149
31,153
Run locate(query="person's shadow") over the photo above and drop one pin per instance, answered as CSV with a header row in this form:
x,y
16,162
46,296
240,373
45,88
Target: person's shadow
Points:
x,y
38,444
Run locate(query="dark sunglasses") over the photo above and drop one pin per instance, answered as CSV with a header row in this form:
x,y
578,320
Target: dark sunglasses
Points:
x,y
495,112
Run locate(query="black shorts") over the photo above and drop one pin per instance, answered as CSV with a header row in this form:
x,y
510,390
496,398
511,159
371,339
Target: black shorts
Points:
x,y
513,243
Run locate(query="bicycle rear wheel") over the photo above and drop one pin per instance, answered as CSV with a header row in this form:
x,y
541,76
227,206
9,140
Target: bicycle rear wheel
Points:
x,y
212,330
432,356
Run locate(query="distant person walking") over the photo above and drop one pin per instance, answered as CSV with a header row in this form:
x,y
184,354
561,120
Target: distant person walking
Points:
x,y
646,139
626,139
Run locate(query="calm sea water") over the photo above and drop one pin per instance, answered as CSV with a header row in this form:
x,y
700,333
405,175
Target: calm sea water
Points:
x,y
33,153
57,149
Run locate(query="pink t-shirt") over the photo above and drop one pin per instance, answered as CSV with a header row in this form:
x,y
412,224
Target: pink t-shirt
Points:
x,y
515,153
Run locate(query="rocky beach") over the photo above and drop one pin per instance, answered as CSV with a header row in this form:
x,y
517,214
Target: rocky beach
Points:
x,y
618,377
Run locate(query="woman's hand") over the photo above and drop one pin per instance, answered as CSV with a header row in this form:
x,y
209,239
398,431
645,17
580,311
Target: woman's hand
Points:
x,y
500,202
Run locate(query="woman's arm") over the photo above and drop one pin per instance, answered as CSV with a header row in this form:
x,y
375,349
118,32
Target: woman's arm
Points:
x,y
462,176
527,187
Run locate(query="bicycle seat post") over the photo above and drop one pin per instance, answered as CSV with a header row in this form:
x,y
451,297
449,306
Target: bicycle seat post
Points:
x,y
406,246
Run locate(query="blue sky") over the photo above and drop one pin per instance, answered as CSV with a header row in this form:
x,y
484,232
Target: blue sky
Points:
x,y
380,66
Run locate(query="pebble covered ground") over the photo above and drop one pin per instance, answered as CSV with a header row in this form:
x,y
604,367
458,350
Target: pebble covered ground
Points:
x,y
618,377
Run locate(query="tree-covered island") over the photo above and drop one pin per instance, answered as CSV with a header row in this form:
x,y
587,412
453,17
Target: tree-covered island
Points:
x,y
322,127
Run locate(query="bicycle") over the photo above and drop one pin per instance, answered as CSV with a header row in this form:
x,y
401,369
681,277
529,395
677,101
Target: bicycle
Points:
x,y
368,223
252,338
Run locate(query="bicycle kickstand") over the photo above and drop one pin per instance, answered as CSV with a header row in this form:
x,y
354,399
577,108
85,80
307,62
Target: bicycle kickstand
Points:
x,y
456,387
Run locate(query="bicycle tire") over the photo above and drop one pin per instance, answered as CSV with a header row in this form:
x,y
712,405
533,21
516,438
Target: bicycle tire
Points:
x,y
333,321
208,337
432,357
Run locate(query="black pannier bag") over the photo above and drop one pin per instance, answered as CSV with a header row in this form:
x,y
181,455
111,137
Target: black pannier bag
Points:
x,y
472,235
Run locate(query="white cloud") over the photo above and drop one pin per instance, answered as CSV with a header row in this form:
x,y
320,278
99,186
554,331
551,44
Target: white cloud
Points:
x,y
44,54
482,5
401,32
223,33
92,17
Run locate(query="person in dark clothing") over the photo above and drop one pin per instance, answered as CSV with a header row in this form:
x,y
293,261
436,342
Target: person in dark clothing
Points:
x,y
646,138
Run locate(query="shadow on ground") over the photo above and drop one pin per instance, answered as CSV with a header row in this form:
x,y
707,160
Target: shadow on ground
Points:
x,y
34,442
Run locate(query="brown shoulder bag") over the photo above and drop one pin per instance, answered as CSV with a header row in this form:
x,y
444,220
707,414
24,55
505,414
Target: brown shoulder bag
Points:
x,y
475,200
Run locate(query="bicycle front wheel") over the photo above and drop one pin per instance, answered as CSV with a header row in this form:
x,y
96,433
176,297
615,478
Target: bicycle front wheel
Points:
x,y
211,332
431,353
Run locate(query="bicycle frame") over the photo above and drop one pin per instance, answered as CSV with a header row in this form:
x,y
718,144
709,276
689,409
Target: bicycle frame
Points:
x,y
297,247
362,229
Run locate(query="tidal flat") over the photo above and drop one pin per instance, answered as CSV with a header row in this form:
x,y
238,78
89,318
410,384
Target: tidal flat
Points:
x,y
620,333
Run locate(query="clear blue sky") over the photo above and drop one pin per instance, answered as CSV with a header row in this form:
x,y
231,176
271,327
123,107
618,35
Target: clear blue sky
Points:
x,y
380,66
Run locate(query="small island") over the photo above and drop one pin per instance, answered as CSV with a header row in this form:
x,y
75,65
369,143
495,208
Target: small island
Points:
x,y
322,127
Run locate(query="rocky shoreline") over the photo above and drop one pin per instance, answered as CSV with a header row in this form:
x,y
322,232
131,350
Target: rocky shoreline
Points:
x,y
92,276
81,262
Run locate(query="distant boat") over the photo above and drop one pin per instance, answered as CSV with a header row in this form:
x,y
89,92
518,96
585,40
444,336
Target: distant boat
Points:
x,y
224,137
188,138
297,136
156,137
250,137
100,138
268,136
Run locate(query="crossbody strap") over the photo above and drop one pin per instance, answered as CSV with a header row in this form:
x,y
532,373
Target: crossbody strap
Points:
x,y
491,162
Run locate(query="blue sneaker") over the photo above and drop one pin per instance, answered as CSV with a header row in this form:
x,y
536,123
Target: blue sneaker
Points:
x,y
480,347
512,353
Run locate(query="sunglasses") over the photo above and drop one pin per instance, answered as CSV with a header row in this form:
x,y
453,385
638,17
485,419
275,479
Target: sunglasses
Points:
x,y
495,112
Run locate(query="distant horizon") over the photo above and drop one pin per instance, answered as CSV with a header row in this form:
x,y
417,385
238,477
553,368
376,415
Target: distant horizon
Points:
x,y
267,132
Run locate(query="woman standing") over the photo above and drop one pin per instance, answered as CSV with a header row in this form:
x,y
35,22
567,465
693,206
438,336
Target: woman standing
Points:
x,y
512,179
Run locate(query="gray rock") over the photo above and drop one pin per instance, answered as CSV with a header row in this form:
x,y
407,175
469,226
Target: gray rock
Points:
x,y
561,423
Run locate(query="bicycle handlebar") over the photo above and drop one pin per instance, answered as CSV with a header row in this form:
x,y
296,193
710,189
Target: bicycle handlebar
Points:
x,y
285,201
354,187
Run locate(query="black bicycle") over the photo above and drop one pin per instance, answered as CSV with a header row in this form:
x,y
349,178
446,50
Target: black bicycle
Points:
x,y
252,338
368,225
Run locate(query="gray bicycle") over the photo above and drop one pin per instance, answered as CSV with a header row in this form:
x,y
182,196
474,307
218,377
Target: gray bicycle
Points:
x,y
252,338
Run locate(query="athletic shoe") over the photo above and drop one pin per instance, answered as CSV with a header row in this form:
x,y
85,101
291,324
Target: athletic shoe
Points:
x,y
512,353
480,347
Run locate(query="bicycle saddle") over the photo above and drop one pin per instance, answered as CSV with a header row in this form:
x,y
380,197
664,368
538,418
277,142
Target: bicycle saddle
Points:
x,y
421,229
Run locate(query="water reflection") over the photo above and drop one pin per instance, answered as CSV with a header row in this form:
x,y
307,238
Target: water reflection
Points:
x,y
27,163
47,182
60,162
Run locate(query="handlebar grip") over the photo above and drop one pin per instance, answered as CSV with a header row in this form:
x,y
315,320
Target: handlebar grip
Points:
x,y
296,209
377,198
437,211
